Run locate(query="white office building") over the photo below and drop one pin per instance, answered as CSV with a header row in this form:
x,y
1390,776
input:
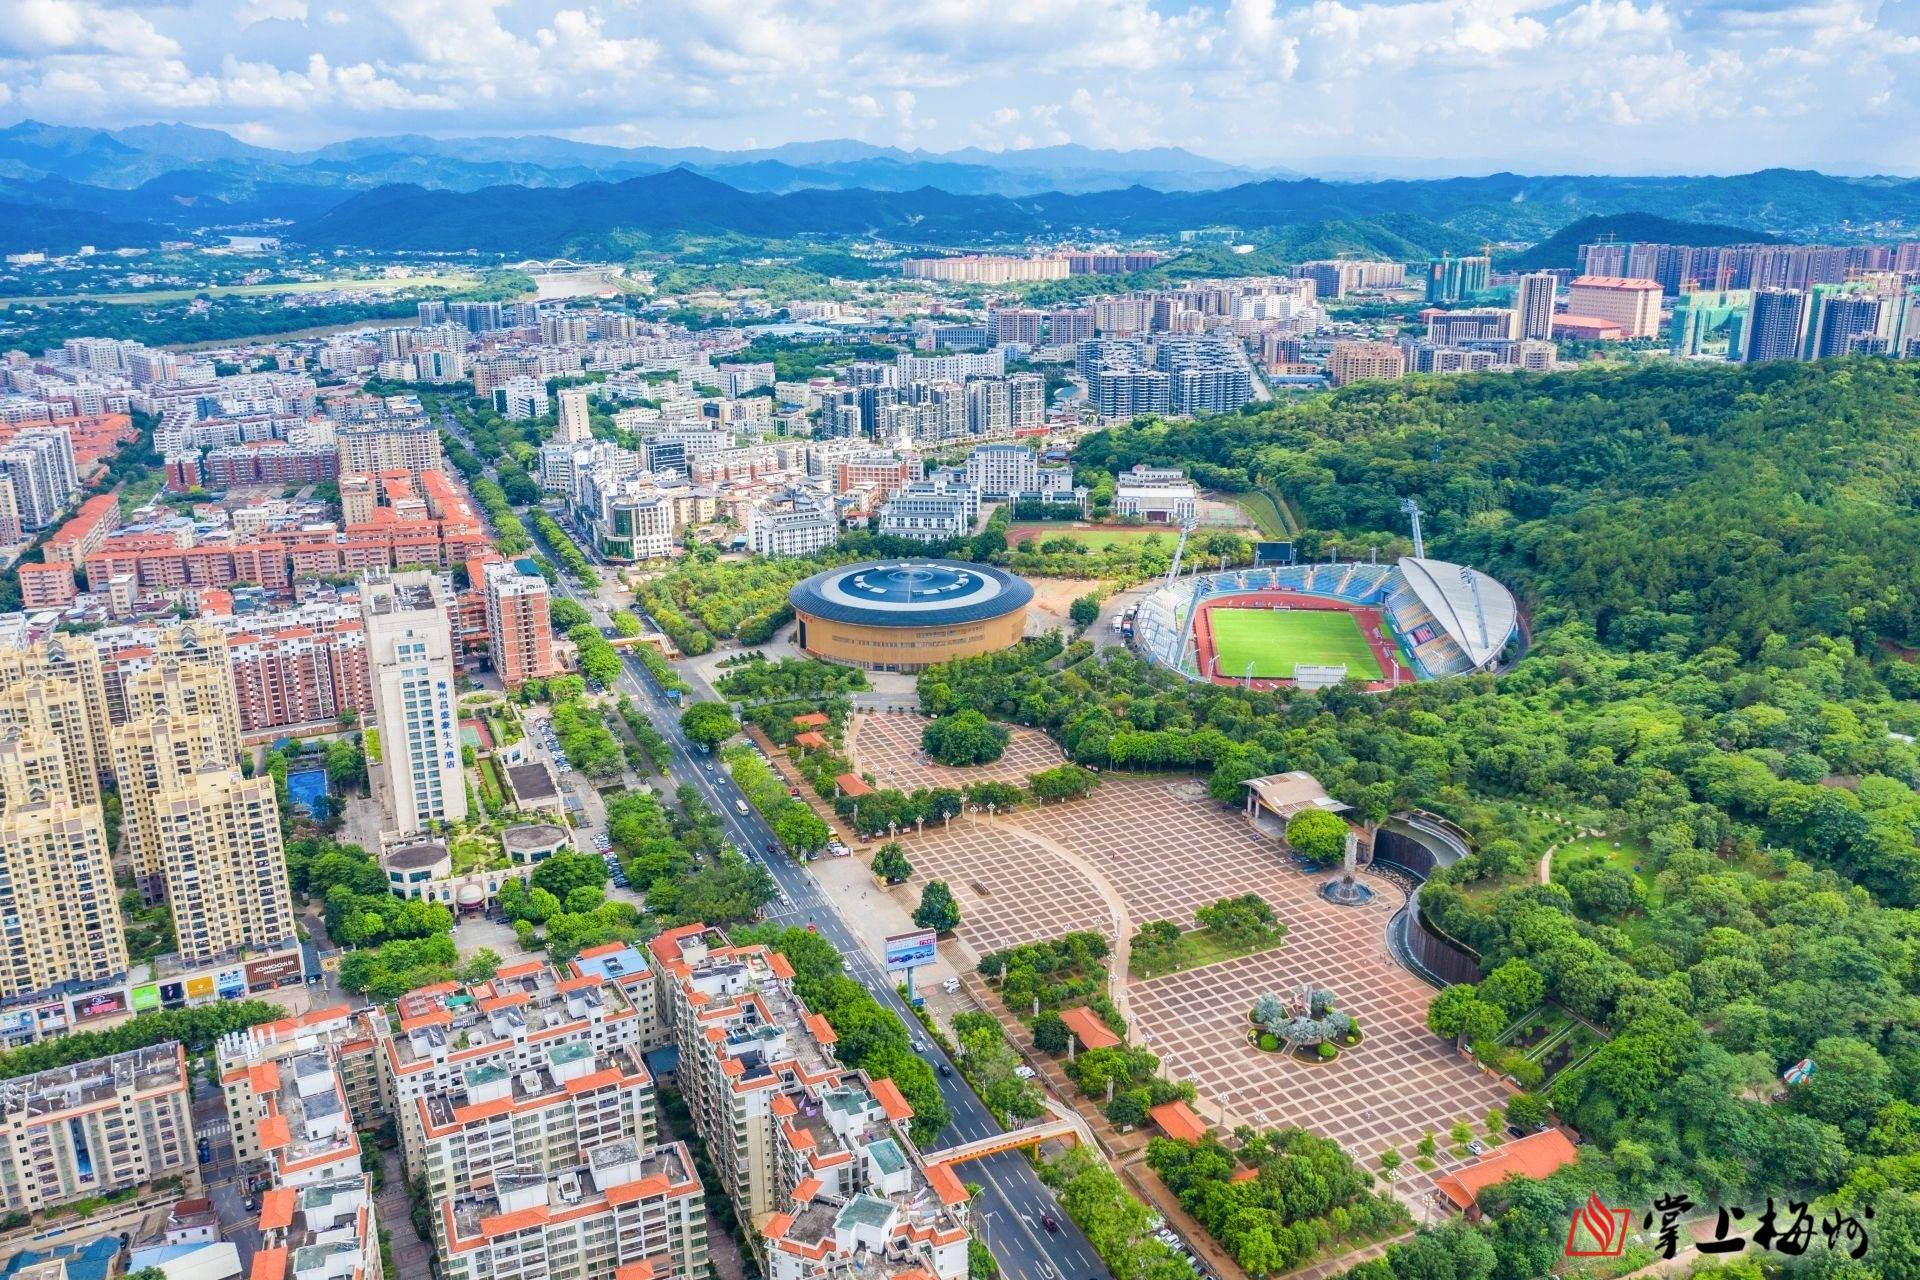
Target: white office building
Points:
x,y
794,524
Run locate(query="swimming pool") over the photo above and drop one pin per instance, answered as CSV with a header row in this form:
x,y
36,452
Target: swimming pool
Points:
x,y
308,791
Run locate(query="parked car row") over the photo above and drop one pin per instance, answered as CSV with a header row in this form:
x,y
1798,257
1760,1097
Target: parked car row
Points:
x,y
1171,1238
545,730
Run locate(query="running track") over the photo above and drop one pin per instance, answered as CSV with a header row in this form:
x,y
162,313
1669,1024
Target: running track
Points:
x,y
1367,616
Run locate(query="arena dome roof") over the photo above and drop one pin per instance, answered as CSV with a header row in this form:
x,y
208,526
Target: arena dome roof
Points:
x,y
910,593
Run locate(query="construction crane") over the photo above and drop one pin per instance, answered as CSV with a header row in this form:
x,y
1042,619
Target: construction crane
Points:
x,y
1412,509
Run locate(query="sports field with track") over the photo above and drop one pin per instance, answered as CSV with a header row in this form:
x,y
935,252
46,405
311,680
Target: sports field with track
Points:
x,y
1277,640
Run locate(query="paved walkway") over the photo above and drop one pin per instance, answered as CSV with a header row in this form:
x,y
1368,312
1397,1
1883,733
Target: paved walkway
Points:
x,y
411,1254
1121,954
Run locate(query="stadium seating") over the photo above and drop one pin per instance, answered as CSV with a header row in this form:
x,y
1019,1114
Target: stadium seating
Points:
x,y
1162,627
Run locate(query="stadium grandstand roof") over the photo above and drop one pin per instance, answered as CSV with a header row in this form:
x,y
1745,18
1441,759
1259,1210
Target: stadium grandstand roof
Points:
x,y
1474,609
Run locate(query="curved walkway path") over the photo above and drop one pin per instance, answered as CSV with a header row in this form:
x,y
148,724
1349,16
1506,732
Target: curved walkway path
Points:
x,y
1122,953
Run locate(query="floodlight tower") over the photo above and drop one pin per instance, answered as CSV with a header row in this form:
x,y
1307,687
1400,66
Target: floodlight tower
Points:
x,y
1412,509
1187,526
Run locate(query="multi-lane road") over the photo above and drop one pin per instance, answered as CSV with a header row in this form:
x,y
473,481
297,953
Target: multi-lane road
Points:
x,y
1013,1201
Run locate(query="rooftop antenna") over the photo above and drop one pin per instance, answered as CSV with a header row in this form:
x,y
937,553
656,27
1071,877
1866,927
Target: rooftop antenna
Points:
x,y
1412,509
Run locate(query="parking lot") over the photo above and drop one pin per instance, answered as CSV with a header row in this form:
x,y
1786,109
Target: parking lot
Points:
x,y
1158,848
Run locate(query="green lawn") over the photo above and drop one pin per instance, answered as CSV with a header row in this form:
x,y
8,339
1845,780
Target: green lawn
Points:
x,y
1275,640
1196,947
1575,854
1094,538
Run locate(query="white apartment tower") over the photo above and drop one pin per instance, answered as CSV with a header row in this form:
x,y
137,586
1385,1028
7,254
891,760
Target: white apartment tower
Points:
x,y
574,426
1533,306
410,664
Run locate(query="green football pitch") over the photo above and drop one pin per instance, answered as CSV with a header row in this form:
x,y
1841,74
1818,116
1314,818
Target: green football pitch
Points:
x,y
1274,640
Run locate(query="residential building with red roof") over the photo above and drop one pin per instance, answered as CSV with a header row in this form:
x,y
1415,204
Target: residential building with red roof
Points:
x,y
527,1113
512,1021
820,1155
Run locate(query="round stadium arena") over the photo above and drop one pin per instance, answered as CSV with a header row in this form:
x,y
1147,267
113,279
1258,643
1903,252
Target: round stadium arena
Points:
x,y
903,615
1315,625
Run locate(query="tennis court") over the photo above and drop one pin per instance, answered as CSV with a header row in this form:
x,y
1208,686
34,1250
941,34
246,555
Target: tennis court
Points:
x,y
1276,640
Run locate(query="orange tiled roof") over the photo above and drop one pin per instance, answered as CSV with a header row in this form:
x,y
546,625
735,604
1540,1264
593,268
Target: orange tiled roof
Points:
x,y
1534,1156
1177,1121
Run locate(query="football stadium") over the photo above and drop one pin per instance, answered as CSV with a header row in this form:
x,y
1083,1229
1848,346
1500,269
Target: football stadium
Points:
x,y
1315,625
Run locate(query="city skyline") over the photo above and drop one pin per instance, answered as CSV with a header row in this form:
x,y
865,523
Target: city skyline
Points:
x,y
1431,86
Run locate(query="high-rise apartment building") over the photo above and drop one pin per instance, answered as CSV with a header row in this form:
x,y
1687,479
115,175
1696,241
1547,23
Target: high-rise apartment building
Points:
x,y
39,462
253,1063
203,838
1630,303
103,1127
989,408
519,627
1776,321
1365,362
1533,305
59,909
1070,324
606,1000
1451,279
398,443
1027,402
1015,324
409,638
67,712
574,427
818,1156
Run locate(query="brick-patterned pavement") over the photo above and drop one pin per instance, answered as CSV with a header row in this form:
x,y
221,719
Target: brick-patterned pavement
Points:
x,y
1166,849
887,745
1397,1084
1010,888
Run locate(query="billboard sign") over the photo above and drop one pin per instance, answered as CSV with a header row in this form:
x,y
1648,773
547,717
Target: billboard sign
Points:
x,y
146,998
231,983
267,973
102,1005
173,995
1272,553
17,1025
909,950
200,988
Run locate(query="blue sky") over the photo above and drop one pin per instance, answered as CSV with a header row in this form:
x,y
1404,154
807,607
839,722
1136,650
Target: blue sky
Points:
x,y
1331,85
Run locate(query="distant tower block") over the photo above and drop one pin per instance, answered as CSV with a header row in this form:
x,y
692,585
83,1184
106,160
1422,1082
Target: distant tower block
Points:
x,y
1347,890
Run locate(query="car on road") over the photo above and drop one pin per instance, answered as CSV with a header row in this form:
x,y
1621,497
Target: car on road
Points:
x,y
1051,1223
945,1070
740,807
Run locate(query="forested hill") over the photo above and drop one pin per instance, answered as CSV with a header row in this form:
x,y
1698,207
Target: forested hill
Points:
x,y
1674,506
1739,540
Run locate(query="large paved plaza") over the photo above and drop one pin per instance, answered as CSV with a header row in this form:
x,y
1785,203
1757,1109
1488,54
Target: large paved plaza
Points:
x,y
887,744
1146,849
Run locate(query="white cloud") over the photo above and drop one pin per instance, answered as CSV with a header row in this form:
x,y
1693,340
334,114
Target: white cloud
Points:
x,y
1520,82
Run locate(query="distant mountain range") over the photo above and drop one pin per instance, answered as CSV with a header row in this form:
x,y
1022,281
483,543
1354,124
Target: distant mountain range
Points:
x,y
62,186
1456,214
125,159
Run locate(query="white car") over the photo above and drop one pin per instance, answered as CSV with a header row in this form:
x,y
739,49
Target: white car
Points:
x,y
1024,1071
950,986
